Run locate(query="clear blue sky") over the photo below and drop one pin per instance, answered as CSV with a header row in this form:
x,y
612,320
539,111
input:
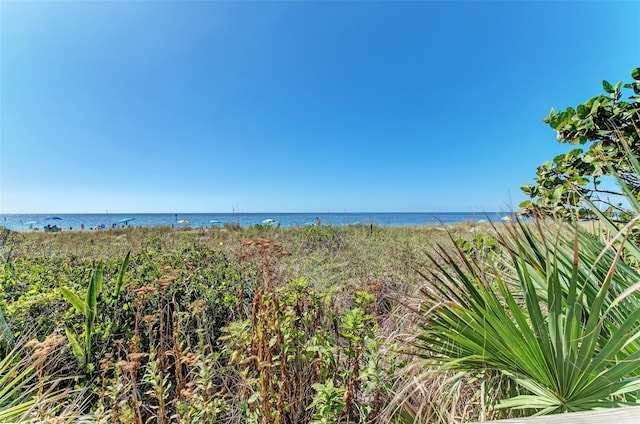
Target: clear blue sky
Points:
x,y
145,106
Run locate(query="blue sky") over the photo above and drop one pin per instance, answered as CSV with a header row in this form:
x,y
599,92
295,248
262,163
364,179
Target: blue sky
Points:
x,y
142,106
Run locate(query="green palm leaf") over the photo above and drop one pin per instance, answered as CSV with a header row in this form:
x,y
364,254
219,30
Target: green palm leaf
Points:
x,y
23,393
548,320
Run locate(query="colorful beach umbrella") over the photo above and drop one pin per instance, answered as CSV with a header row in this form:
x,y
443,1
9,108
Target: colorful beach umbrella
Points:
x,y
183,221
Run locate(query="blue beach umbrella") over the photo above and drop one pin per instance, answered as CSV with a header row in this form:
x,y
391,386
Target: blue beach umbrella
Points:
x,y
124,220
53,217
271,222
215,221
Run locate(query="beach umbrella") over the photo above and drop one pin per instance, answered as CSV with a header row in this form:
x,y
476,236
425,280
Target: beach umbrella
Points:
x,y
215,221
506,218
124,220
269,221
53,217
183,221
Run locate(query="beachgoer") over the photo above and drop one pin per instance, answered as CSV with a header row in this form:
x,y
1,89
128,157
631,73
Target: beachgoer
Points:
x,y
82,226
317,221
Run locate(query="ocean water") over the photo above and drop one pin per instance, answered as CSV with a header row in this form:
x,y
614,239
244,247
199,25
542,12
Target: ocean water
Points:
x,y
195,220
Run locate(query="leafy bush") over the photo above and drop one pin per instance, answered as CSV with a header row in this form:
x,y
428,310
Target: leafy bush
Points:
x,y
602,122
321,237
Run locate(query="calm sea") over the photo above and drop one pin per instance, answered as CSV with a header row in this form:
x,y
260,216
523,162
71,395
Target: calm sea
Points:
x,y
194,220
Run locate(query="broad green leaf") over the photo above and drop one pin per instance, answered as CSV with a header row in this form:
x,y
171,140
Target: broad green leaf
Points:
x,y
74,299
120,280
581,181
75,347
607,86
95,287
583,111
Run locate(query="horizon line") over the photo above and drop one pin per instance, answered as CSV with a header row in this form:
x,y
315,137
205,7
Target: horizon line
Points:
x,y
239,212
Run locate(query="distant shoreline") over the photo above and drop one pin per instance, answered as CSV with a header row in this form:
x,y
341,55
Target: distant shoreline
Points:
x,y
194,220
472,225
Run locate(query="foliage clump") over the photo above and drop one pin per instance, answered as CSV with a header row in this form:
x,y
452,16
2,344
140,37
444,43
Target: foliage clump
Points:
x,y
199,331
605,124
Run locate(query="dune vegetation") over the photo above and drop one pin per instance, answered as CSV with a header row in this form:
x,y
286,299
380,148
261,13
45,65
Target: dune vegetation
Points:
x,y
324,324
289,325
